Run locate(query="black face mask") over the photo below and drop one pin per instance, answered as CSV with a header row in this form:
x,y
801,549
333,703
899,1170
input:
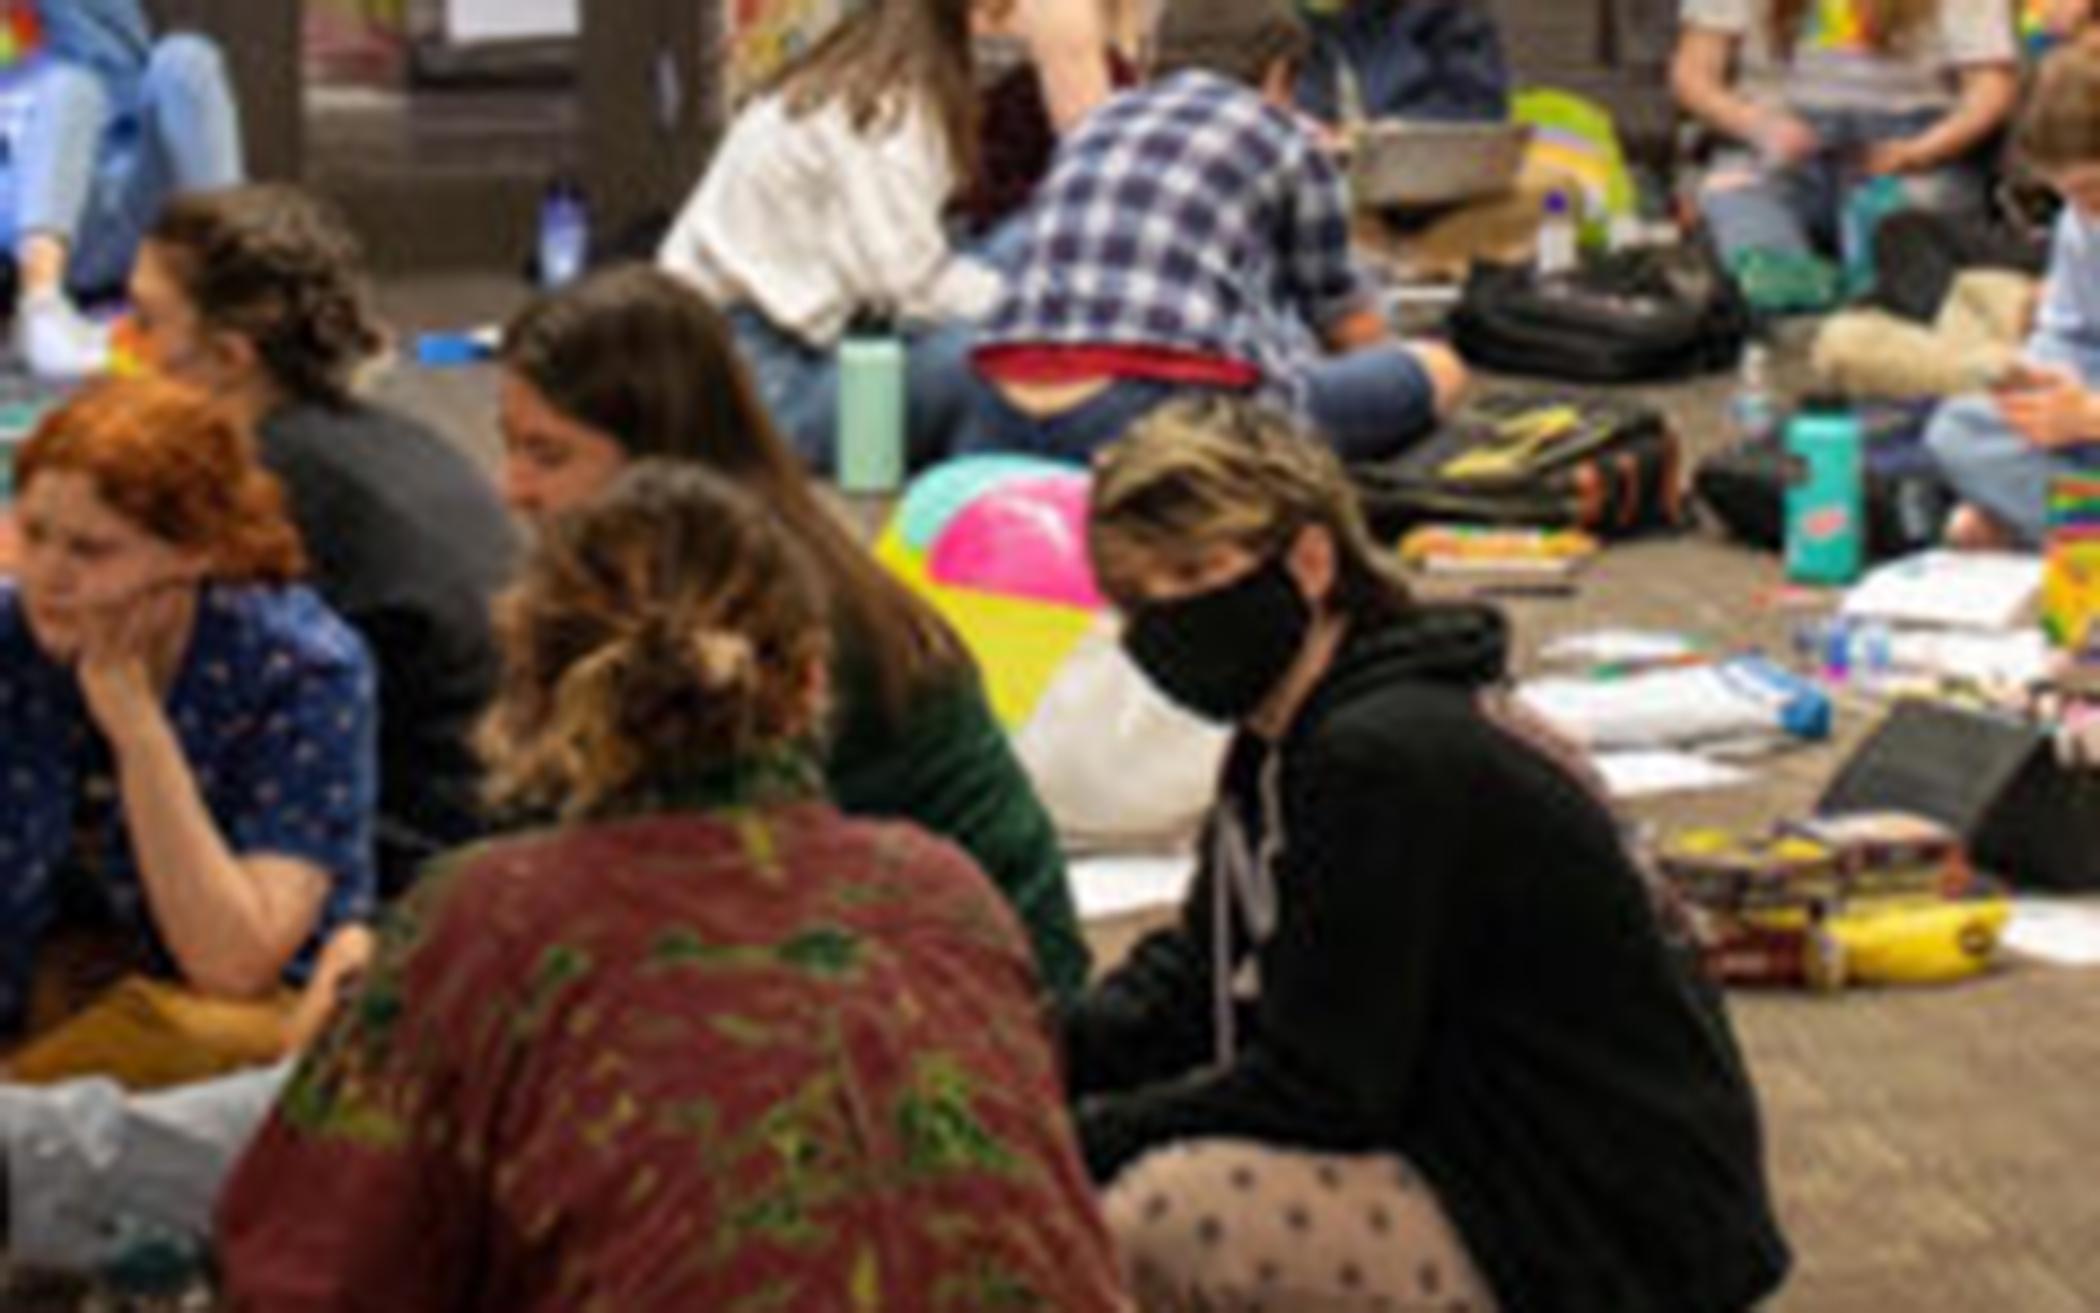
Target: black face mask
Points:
x,y
1219,653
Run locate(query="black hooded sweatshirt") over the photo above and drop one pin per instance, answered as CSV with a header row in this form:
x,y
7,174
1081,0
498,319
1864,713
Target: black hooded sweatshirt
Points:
x,y
1464,966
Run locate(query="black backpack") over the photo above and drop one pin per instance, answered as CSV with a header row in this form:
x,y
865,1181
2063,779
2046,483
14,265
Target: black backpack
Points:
x,y
1907,501
1632,316
1606,466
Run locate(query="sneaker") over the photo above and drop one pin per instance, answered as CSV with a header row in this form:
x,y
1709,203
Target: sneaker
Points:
x,y
56,341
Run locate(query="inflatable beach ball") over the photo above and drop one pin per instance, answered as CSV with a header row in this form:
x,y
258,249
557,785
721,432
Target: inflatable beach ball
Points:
x,y
997,544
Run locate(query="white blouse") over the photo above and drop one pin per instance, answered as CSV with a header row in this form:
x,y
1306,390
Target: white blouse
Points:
x,y
813,223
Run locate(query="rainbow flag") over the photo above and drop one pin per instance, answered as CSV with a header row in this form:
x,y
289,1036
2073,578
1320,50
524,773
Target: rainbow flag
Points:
x,y
21,33
1838,25
2037,35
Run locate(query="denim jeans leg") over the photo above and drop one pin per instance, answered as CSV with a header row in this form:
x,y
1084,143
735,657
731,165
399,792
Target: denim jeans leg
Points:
x,y
941,387
1995,469
1371,404
1075,434
1750,207
56,155
798,384
187,139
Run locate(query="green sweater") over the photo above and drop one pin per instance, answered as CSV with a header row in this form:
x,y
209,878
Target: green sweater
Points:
x,y
950,769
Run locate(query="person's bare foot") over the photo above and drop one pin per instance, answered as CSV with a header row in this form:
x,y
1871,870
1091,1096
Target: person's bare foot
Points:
x,y
1973,529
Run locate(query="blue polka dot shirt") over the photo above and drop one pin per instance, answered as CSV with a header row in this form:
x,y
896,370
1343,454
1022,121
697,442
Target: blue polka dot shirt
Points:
x,y
274,709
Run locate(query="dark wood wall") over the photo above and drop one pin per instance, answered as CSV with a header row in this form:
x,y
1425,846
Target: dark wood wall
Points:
x,y
261,41
651,88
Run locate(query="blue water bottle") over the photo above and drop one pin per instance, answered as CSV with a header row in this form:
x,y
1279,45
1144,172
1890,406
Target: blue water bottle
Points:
x,y
565,234
1825,497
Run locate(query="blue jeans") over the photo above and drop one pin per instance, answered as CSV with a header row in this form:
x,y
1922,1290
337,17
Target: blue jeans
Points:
x,y
1435,61
800,388
95,174
1373,403
1998,471
1073,435
89,1166
1368,404
1796,209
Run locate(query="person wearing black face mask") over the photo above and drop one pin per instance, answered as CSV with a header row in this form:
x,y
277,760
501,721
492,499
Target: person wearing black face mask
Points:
x,y
1420,1037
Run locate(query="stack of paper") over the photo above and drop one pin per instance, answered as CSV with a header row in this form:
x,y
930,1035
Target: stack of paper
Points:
x,y
1746,697
1950,590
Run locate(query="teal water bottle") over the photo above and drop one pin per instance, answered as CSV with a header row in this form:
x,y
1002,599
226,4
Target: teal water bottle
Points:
x,y
1825,498
871,415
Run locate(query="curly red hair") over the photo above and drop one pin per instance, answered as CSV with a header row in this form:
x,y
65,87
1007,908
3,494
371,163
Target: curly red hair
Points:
x,y
178,465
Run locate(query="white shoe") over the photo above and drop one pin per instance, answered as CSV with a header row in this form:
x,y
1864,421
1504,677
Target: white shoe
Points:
x,y
56,341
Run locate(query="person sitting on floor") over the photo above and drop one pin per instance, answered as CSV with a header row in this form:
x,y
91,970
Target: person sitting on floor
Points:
x,y
1073,55
1368,1067
626,364
631,363
1815,97
189,759
1412,59
706,1043
258,295
825,207
1194,235
117,124
2001,449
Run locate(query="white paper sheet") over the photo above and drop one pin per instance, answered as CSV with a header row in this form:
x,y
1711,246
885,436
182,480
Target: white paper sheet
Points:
x,y
2058,931
2017,658
1121,885
1631,646
1648,774
1954,590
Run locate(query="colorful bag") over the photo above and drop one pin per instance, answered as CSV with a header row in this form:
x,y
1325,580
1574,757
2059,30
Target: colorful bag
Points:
x,y
1608,467
1868,898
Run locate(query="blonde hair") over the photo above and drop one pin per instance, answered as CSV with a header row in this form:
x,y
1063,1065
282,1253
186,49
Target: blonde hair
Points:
x,y
1211,472
665,630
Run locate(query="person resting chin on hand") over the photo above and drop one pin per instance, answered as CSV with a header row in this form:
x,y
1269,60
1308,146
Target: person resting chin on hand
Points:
x,y
2002,449
190,793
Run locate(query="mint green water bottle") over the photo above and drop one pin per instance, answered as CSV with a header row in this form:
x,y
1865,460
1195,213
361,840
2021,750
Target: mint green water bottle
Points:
x,y
871,415
1825,498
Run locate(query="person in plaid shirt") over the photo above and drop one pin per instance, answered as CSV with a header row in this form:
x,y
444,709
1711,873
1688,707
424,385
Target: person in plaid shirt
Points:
x,y
1194,234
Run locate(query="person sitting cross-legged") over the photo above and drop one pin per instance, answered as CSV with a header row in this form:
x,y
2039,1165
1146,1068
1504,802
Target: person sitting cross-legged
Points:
x,y
705,1042
188,764
1193,235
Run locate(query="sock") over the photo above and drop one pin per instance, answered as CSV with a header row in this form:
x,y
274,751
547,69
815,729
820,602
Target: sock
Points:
x,y
56,340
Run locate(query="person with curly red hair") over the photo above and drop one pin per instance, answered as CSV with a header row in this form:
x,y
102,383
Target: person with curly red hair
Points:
x,y
187,784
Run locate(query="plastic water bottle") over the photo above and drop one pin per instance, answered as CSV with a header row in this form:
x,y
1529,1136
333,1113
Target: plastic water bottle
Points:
x,y
1826,500
1753,409
1841,649
1557,252
565,234
871,414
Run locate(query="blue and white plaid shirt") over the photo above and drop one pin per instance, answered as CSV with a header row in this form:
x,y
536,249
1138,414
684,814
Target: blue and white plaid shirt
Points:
x,y
1187,216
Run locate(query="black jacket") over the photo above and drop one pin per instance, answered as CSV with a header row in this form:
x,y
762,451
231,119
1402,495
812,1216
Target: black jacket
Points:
x,y
409,543
1465,968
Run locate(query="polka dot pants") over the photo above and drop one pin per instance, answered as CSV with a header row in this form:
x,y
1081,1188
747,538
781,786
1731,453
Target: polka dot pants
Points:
x,y
1224,1226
